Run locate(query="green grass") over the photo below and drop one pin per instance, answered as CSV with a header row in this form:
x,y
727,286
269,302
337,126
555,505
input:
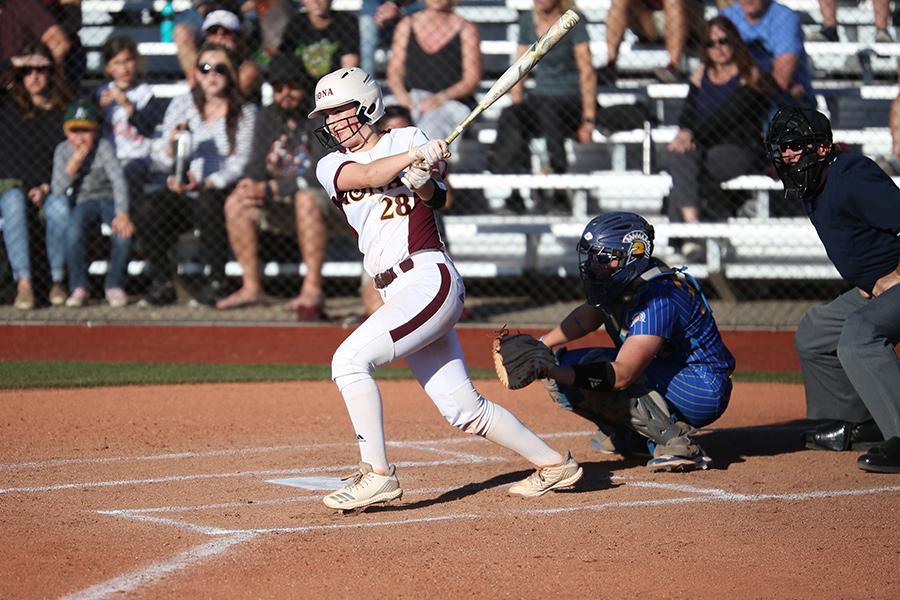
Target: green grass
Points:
x,y
67,374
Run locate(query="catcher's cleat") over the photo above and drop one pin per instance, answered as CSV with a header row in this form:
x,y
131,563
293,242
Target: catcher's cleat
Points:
x,y
679,464
366,488
565,474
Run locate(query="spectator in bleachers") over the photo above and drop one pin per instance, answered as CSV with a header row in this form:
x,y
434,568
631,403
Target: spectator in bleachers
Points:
x,y
772,32
68,14
720,131
274,16
377,31
279,193
88,186
23,23
829,32
322,39
221,125
435,66
562,104
33,111
683,21
221,27
130,113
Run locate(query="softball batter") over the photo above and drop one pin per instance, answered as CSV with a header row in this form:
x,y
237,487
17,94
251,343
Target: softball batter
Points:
x,y
387,185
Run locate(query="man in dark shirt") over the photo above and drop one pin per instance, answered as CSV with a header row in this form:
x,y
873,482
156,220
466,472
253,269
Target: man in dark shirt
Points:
x,y
277,195
846,347
322,39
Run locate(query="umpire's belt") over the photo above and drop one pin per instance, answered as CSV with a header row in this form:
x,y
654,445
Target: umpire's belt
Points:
x,y
384,279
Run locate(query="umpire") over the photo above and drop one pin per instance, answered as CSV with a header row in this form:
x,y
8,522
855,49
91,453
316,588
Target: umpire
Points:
x,y
850,367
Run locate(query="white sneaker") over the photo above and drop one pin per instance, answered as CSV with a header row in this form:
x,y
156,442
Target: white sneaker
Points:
x,y
366,489
543,480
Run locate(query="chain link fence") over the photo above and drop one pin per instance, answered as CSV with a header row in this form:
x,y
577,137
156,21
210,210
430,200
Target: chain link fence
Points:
x,y
653,107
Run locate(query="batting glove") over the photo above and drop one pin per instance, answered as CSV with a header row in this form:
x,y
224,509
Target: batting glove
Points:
x,y
430,152
416,176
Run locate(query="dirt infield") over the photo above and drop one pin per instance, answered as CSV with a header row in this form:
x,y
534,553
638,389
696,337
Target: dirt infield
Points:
x,y
164,492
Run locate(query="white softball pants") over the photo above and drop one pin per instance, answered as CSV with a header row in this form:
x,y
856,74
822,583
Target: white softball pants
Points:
x,y
416,322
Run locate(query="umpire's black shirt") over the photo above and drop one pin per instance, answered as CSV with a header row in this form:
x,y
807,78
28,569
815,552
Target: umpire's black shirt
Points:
x,y
857,215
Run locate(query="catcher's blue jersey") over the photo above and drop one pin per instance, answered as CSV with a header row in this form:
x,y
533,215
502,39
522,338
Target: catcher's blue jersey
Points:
x,y
693,371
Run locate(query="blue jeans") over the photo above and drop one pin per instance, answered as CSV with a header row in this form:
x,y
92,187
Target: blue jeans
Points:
x,y
83,215
15,232
56,214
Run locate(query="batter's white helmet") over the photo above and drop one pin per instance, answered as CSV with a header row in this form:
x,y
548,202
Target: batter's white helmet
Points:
x,y
350,85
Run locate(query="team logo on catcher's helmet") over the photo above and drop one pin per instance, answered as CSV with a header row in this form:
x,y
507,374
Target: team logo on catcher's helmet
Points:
x,y
614,249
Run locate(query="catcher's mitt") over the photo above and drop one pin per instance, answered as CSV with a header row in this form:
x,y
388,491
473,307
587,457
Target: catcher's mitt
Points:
x,y
519,359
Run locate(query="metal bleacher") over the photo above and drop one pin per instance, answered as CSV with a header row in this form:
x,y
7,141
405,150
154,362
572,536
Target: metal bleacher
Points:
x,y
855,83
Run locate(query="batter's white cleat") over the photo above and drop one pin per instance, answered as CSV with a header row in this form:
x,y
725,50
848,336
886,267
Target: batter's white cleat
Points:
x,y
366,488
565,474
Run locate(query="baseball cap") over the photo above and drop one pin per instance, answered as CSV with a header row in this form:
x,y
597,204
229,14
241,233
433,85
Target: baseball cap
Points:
x,y
222,18
287,67
81,114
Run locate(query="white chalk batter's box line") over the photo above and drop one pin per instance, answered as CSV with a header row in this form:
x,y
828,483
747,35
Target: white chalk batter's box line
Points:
x,y
225,539
452,458
227,452
697,495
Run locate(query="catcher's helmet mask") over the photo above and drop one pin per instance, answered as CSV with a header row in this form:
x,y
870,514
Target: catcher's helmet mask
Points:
x,y
800,130
622,236
342,88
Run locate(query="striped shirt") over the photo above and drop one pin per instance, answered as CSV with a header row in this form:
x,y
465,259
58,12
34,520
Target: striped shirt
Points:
x,y
693,370
213,159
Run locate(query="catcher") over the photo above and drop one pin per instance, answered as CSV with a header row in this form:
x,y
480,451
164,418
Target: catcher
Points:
x,y
669,372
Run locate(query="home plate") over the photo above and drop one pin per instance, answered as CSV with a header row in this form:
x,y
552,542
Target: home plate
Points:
x,y
310,483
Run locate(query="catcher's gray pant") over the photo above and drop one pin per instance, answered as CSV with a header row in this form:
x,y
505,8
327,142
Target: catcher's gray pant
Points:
x,y
850,368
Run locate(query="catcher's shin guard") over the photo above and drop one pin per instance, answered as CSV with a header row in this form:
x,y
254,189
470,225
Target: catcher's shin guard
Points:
x,y
674,449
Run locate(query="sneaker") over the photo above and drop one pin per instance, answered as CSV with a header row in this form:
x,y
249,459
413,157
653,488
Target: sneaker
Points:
x,y
825,34
77,299
366,488
565,474
883,36
116,297
161,293
57,294
24,298
672,463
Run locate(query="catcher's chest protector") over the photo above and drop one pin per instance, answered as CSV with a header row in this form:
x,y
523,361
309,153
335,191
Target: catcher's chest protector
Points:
x,y
616,319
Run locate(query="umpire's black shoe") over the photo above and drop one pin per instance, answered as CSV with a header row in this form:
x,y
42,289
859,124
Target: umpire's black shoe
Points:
x,y
841,435
883,458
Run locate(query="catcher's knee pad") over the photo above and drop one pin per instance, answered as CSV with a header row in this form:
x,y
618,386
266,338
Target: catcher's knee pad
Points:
x,y
357,357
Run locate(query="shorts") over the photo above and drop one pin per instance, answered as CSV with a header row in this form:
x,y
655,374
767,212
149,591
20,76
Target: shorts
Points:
x,y
278,214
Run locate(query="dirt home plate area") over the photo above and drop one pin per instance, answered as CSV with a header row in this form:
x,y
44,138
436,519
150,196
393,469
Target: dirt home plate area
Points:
x,y
214,491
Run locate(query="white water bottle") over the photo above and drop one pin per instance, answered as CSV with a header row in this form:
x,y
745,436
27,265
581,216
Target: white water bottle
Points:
x,y
183,156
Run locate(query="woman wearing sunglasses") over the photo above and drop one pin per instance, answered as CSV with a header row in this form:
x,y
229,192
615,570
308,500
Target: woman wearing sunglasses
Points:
x,y
720,129
220,123
33,111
